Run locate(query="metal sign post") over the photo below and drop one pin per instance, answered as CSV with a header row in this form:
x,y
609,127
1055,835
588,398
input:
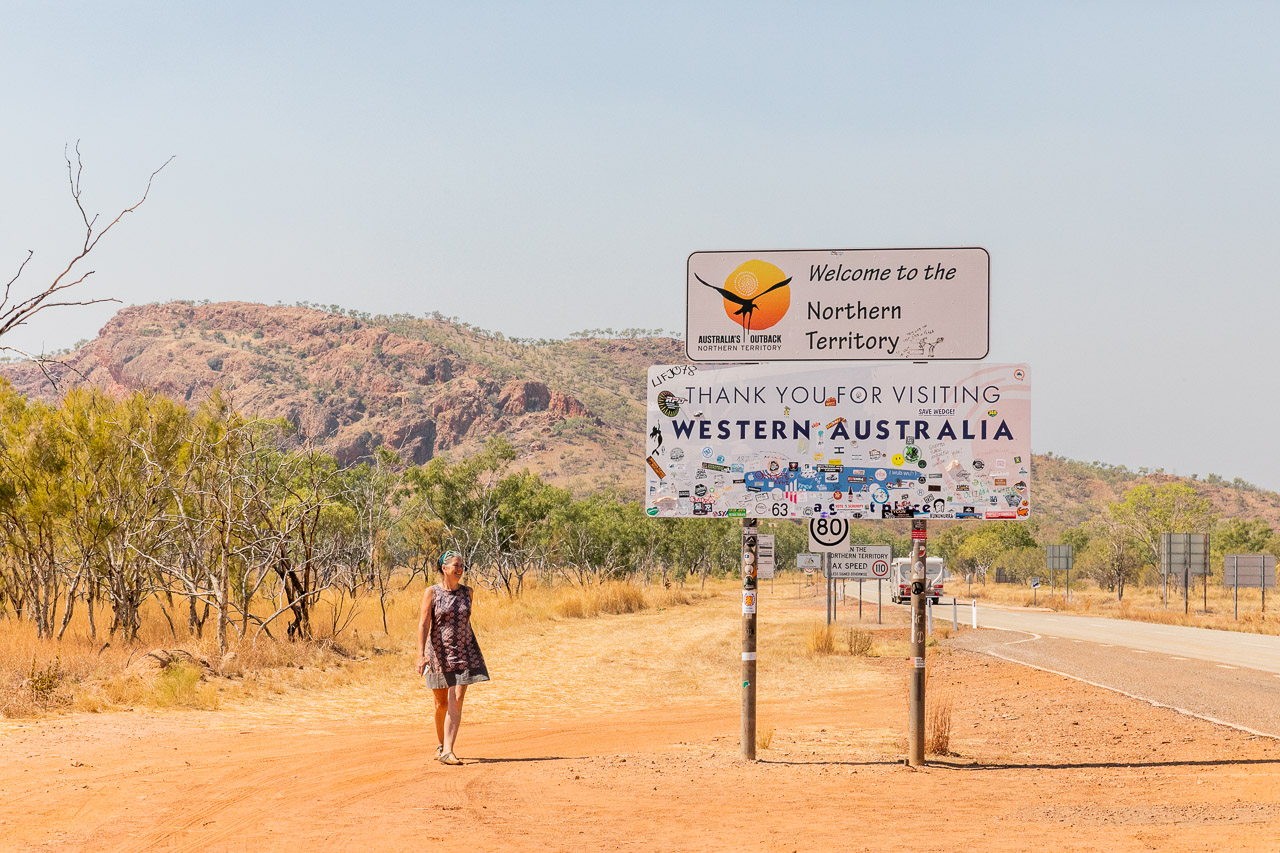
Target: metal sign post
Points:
x,y
1249,570
1059,558
919,537
749,546
1187,554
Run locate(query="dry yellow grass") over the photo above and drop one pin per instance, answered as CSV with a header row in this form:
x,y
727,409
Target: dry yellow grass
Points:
x,y
938,727
77,673
821,640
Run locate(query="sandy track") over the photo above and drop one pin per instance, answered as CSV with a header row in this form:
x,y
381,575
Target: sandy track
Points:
x,y
647,759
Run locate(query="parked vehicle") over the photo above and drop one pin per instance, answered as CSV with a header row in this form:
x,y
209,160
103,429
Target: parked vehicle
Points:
x,y
935,571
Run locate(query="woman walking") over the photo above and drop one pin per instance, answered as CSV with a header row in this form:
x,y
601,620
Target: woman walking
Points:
x,y
451,659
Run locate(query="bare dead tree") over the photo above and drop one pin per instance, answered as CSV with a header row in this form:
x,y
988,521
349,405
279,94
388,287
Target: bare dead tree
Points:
x,y
16,311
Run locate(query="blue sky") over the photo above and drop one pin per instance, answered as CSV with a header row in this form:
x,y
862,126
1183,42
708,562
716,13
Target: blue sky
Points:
x,y
542,168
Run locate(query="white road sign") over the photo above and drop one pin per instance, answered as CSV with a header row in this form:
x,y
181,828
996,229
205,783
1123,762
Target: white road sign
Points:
x,y
828,534
856,563
808,561
941,441
764,556
842,304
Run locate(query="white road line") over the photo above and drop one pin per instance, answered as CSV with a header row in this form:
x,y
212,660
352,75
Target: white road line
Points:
x,y
1137,651
1171,657
1105,645
1204,717
1224,666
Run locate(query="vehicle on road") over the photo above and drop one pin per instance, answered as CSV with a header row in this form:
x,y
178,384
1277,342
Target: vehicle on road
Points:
x,y
936,574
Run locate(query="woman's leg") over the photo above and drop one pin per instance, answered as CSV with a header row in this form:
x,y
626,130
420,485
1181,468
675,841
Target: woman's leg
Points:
x,y
454,717
442,705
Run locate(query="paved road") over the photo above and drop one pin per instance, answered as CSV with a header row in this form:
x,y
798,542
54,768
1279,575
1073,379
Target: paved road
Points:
x,y
1256,651
1227,677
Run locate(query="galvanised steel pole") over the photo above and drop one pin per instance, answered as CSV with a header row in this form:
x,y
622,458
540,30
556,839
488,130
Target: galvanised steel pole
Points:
x,y
919,538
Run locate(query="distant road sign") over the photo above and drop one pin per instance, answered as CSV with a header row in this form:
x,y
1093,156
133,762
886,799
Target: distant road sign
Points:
x,y
1035,583
1249,570
1184,553
842,304
1058,558
808,562
857,562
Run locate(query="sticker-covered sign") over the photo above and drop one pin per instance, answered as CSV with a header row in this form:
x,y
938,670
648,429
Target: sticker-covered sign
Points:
x,y
842,304
847,442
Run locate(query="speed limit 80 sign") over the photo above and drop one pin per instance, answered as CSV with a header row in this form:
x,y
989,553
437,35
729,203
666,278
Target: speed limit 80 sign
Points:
x,y
828,534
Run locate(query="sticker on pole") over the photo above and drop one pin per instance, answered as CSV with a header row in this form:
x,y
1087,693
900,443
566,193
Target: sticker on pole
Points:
x,y
748,603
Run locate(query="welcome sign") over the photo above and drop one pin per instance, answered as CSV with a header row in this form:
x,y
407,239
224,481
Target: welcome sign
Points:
x,y
883,441
839,304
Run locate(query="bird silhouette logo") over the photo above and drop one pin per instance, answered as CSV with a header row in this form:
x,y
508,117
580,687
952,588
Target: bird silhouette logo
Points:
x,y
756,294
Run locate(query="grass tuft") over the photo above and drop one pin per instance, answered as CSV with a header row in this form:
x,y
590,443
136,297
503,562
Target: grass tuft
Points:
x,y
821,640
938,728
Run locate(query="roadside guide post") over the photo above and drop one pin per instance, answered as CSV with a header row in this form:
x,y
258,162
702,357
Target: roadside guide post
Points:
x,y
955,614
919,537
749,638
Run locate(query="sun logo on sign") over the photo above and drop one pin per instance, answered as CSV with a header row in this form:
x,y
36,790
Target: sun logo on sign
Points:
x,y
756,294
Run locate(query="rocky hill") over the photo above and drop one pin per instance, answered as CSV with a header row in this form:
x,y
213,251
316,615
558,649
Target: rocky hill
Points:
x,y
574,409
423,387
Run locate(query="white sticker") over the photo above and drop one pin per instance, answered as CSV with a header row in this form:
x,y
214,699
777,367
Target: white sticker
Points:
x,y
918,663
748,603
748,655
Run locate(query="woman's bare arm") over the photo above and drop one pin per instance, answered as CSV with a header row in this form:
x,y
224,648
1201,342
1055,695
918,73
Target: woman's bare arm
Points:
x,y
424,626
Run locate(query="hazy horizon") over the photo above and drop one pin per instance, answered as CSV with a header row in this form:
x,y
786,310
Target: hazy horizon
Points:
x,y
541,170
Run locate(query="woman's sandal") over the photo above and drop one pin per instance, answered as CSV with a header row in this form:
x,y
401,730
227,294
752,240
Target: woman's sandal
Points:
x,y
450,758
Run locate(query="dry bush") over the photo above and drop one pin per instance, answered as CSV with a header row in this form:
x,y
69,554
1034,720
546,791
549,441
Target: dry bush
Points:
x,y
941,631
821,640
764,737
937,739
859,642
181,685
